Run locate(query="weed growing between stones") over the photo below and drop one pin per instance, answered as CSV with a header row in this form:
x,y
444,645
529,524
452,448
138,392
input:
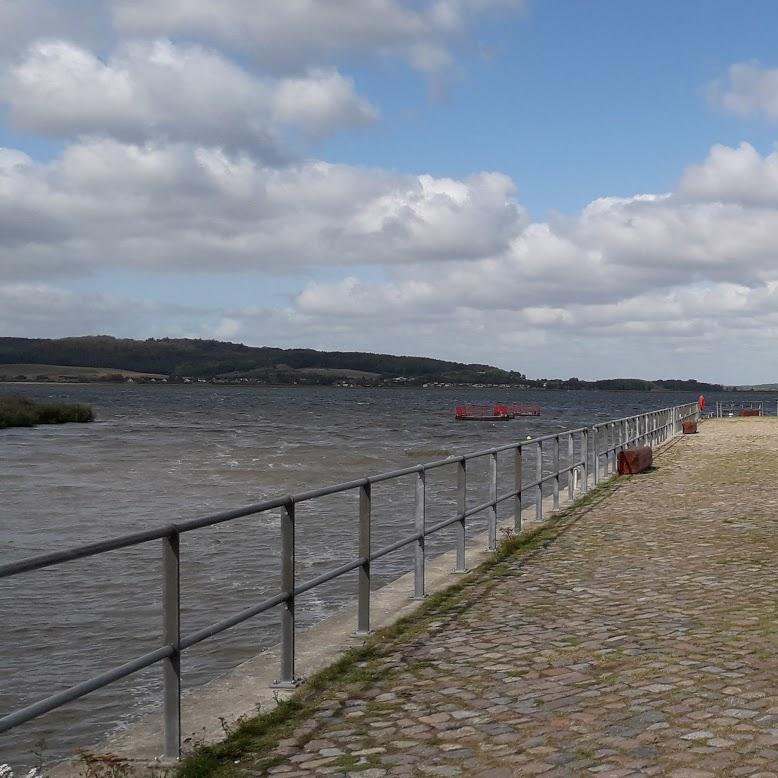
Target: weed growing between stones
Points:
x,y
254,739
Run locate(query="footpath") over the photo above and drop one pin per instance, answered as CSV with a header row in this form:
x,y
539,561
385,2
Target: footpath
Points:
x,y
641,639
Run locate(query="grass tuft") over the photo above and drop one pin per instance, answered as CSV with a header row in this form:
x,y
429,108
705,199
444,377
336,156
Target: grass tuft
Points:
x,y
19,412
249,744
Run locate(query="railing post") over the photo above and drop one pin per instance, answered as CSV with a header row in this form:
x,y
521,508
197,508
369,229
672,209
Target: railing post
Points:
x,y
570,476
493,501
606,439
517,476
461,508
596,454
614,445
539,479
363,607
288,678
555,482
585,458
419,525
171,635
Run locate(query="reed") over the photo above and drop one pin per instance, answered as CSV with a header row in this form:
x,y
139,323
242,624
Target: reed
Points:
x,y
20,412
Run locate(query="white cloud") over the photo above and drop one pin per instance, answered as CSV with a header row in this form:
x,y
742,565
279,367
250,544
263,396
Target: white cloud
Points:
x,y
173,206
320,102
24,21
227,328
295,34
451,242
462,265
739,175
747,91
186,92
686,270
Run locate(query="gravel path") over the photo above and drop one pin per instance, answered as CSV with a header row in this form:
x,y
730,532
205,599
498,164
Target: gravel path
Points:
x,y
641,641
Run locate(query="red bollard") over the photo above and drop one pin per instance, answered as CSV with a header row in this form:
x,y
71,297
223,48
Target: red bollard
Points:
x,y
635,460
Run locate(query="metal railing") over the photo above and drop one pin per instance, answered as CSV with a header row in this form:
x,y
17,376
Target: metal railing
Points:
x,y
593,458
736,408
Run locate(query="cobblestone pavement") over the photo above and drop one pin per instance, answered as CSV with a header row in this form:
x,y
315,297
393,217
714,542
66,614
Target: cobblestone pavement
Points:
x,y
641,641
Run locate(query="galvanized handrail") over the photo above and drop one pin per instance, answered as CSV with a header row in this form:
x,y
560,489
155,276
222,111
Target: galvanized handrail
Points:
x,y
598,449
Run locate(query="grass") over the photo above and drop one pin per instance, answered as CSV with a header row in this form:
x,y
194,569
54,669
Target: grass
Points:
x,y
19,412
250,741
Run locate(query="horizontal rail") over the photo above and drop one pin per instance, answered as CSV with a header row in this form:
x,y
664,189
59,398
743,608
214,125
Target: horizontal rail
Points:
x,y
233,621
83,688
653,426
137,538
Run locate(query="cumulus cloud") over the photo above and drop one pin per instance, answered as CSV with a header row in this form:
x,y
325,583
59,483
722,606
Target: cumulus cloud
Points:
x,y
686,269
25,21
295,34
160,89
734,174
162,206
747,91
320,102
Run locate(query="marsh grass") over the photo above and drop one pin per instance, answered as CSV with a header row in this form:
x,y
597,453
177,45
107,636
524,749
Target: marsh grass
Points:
x,y
20,412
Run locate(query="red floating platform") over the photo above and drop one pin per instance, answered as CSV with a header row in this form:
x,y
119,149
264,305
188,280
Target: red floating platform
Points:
x,y
498,412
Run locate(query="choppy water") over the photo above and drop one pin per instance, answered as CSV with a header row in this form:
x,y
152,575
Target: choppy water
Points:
x,y
163,453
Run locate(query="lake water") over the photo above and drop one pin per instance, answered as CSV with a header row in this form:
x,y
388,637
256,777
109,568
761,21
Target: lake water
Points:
x,y
158,454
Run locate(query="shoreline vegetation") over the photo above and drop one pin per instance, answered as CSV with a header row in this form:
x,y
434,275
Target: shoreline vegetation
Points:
x,y
20,412
179,360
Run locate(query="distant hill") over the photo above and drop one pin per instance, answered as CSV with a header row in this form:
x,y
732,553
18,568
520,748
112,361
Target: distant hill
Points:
x,y
37,372
638,384
181,359
212,359
757,388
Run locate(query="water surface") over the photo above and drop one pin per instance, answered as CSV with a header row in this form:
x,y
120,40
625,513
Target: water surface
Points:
x,y
159,454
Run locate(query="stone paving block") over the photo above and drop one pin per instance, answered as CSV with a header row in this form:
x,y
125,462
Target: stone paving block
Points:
x,y
641,641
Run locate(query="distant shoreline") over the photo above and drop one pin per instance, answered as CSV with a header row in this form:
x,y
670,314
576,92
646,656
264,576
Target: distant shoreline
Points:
x,y
453,387
169,360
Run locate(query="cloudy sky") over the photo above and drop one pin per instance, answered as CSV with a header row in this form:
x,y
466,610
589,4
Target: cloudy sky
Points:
x,y
563,188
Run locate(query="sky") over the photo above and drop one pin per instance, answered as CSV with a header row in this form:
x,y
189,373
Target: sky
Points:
x,y
566,188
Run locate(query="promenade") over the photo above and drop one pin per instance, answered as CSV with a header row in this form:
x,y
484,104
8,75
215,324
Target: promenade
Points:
x,y
639,638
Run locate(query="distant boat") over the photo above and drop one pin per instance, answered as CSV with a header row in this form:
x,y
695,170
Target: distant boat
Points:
x,y
498,412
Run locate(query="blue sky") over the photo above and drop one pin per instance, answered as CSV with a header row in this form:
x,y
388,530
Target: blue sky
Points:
x,y
563,188
577,100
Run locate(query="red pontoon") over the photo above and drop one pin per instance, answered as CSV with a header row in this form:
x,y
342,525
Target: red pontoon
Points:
x,y
498,412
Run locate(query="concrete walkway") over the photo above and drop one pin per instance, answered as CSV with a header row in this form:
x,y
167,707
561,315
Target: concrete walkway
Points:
x,y
641,641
